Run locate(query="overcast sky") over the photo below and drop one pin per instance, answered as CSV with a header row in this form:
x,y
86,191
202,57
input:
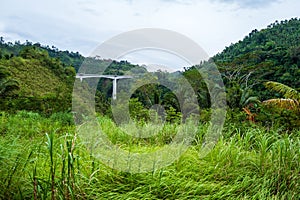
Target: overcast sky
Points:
x,y
81,25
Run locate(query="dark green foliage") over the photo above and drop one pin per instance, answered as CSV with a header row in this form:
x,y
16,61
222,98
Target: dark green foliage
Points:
x,y
199,86
173,116
137,110
271,54
7,84
65,119
269,115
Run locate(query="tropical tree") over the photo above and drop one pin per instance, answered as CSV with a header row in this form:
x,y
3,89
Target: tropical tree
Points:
x,y
239,91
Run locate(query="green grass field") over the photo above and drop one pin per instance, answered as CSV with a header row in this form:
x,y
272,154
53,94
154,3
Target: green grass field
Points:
x,y
44,158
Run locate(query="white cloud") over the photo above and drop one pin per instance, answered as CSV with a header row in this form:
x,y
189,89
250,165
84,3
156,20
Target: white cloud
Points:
x,y
82,25
156,59
250,3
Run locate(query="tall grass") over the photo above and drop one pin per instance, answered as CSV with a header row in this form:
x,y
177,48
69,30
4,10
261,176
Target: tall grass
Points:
x,y
50,162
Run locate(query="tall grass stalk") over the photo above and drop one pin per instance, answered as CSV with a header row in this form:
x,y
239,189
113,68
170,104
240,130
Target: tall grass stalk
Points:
x,y
248,162
50,141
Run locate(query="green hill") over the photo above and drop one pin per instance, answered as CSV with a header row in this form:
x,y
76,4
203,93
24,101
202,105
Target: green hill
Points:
x,y
33,78
9,49
43,83
271,54
45,75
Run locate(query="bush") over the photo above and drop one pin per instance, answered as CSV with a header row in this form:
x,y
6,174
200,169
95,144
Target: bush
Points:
x,y
63,118
269,116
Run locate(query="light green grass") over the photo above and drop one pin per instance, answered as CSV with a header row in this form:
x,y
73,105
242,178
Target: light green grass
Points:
x,y
43,158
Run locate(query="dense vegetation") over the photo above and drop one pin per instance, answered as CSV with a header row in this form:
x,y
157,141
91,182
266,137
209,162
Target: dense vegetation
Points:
x,y
256,157
271,54
43,158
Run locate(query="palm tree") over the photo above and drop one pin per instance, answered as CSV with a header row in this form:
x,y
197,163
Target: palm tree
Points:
x,y
291,96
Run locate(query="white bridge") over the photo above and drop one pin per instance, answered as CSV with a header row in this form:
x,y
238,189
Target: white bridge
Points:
x,y
81,76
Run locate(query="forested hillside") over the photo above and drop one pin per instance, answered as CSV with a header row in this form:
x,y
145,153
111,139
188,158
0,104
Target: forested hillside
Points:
x,y
9,49
41,83
271,54
40,78
263,68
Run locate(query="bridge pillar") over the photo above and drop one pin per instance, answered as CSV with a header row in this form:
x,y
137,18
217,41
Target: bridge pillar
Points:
x,y
114,93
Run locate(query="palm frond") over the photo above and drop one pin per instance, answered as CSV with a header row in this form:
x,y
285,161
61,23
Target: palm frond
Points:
x,y
252,100
286,91
290,104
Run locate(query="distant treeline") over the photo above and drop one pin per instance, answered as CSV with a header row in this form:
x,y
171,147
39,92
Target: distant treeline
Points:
x,y
41,78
